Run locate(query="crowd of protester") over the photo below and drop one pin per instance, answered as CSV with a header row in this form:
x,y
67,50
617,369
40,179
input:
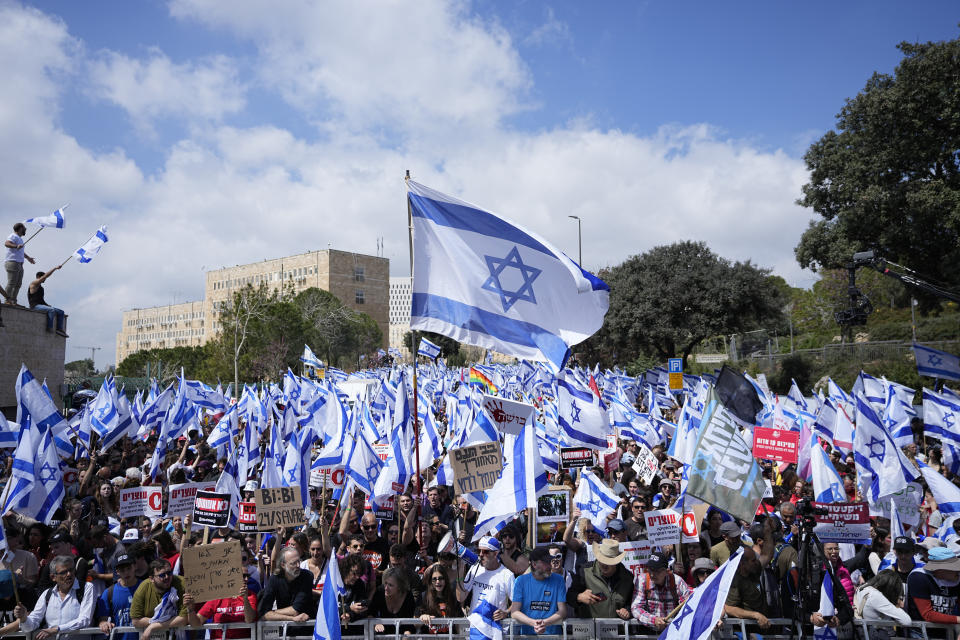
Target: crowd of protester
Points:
x,y
105,571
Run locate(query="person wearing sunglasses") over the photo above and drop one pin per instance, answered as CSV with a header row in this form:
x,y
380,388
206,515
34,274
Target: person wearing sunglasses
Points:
x,y
146,610
376,549
487,580
63,607
439,599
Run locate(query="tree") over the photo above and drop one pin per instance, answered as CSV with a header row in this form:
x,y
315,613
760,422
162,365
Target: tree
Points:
x,y
888,178
164,364
79,368
666,301
448,346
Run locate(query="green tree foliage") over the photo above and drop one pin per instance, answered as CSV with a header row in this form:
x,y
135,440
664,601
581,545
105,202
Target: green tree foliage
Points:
x,y
164,364
449,347
262,332
888,178
663,303
79,368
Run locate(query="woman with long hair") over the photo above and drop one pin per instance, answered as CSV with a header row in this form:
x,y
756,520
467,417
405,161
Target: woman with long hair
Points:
x,y
880,598
439,599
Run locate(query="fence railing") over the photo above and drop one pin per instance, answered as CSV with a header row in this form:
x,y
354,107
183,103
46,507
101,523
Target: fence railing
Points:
x,y
864,351
459,628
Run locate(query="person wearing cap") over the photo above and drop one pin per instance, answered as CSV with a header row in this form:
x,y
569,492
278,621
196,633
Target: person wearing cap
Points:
x,y
702,568
65,606
603,588
666,497
113,606
616,530
487,579
904,548
933,590
510,554
539,598
720,552
657,592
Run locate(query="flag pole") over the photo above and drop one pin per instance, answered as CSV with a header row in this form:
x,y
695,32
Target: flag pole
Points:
x,y
42,228
413,344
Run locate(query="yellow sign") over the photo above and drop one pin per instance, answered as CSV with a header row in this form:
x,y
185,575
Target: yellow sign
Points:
x,y
676,381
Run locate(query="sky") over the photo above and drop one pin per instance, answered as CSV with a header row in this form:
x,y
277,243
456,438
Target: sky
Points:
x,y
207,134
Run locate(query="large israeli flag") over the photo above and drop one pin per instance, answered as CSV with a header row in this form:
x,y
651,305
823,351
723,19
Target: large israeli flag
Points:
x,y
936,364
484,281
882,468
700,613
827,485
428,349
92,247
594,499
54,220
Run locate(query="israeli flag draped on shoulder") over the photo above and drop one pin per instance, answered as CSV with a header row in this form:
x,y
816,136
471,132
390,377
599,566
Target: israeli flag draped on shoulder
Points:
x,y
91,248
699,614
54,220
428,349
936,364
487,282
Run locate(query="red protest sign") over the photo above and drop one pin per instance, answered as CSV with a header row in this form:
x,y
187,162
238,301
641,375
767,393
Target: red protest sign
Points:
x,y
843,522
776,444
247,523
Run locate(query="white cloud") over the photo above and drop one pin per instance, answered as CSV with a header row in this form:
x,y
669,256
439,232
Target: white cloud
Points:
x,y
231,195
157,87
552,31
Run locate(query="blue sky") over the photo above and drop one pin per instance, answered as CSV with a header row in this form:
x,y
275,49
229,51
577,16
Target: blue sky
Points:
x,y
208,133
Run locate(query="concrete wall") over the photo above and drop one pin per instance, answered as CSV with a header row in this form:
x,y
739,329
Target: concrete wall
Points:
x,y
24,340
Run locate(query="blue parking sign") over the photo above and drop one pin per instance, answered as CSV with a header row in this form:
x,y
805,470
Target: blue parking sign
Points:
x,y
675,365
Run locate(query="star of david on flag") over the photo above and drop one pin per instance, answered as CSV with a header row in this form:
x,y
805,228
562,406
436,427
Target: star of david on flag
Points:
x,y
701,612
936,364
594,499
484,281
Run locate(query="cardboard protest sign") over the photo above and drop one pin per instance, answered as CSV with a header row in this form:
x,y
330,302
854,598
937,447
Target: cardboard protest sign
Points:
x,y
247,522
646,464
141,501
279,508
183,495
575,457
637,554
776,444
907,502
211,509
663,527
476,467
844,522
509,416
213,571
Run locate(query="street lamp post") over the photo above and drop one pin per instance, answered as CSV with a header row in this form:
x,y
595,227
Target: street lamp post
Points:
x,y
579,240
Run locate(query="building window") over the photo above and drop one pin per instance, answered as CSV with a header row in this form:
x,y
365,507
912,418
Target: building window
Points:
x,y
359,296
358,273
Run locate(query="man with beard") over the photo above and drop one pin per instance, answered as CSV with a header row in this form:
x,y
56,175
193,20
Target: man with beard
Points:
x,y
290,588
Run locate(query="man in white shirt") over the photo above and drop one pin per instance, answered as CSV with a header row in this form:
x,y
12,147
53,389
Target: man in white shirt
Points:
x,y
488,579
61,608
13,262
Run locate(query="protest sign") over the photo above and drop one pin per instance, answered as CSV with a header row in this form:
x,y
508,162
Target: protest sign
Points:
x,y
279,508
247,522
70,477
776,444
611,462
689,528
385,511
724,472
211,509
331,478
509,416
907,501
212,571
554,505
646,465
477,467
382,449
844,522
575,457
183,495
141,501
637,554
663,527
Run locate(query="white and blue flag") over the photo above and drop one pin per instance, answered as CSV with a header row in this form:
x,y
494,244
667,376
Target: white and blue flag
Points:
x,y
583,416
91,248
487,282
327,626
699,615
827,485
104,417
936,364
54,220
428,349
944,492
882,468
827,609
309,359
595,500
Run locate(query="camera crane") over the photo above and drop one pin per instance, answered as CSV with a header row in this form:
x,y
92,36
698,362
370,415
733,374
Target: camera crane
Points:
x,y
860,305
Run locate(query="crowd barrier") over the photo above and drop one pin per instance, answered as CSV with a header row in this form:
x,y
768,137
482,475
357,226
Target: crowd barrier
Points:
x,y
594,628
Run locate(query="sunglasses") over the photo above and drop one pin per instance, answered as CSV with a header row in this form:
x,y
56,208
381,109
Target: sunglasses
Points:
x,y
165,575
438,579
368,527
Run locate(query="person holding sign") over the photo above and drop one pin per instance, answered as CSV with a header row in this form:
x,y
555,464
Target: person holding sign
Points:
x,y
159,602
242,608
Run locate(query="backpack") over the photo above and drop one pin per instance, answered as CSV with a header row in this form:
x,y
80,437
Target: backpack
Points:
x,y
80,573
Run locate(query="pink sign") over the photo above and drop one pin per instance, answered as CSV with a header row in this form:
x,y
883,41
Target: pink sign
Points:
x,y
776,444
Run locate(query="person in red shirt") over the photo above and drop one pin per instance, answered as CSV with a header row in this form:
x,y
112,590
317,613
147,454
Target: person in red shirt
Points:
x,y
242,608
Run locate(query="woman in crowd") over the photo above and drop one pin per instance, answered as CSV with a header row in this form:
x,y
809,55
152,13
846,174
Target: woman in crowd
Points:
x,y
881,598
393,599
315,563
439,599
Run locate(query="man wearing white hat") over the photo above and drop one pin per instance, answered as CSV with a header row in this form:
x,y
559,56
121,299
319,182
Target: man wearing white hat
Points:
x,y
488,580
